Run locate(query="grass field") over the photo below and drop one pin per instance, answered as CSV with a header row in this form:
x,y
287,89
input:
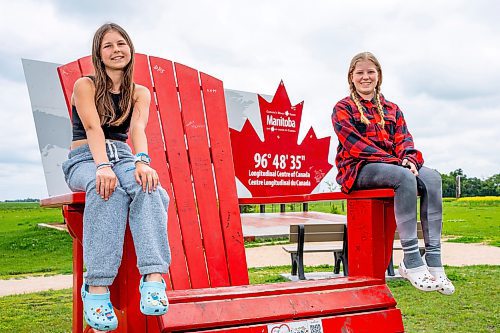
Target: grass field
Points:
x,y
472,220
28,249
466,220
471,309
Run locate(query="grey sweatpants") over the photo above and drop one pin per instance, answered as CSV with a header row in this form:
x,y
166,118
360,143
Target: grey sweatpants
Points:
x,y
104,222
406,187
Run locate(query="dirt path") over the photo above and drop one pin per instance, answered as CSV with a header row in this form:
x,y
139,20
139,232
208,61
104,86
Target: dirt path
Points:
x,y
454,254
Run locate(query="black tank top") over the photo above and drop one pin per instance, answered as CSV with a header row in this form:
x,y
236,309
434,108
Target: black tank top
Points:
x,y
118,133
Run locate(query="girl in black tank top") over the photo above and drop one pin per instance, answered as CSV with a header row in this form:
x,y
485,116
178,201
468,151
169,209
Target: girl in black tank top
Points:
x,y
111,132
120,188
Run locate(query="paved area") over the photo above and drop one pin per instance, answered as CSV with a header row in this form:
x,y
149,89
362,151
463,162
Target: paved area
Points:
x,y
277,225
454,254
274,225
34,284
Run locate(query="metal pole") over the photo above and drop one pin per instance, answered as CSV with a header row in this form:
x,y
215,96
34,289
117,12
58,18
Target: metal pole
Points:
x,y
458,190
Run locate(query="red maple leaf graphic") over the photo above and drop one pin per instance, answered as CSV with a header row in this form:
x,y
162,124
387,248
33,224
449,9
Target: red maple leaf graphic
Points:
x,y
279,165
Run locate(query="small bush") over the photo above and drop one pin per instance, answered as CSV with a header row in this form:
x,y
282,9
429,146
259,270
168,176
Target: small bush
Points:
x,y
247,208
489,199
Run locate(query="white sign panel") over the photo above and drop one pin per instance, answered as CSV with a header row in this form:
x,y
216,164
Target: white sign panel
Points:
x,y
303,326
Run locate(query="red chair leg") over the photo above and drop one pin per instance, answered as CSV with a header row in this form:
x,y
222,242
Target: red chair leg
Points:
x,y
366,244
77,284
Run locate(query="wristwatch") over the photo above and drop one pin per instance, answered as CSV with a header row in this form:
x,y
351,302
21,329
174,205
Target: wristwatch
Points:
x,y
143,158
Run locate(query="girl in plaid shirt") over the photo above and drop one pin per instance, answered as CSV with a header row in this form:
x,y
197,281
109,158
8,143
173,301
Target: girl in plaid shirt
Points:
x,y
376,150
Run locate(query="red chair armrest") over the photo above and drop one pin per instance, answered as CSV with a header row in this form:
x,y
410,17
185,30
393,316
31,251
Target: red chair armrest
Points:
x,y
326,196
75,198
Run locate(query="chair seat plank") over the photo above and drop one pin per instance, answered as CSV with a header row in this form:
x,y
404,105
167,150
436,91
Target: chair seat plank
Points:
x,y
386,321
247,310
210,294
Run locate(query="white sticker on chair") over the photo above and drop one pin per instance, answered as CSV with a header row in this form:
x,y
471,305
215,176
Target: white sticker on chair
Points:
x,y
303,326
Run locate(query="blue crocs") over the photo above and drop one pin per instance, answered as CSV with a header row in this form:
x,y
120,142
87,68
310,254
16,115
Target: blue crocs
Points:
x,y
154,300
98,311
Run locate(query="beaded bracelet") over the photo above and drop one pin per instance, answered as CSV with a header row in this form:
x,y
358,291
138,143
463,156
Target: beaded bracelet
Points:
x,y
104,165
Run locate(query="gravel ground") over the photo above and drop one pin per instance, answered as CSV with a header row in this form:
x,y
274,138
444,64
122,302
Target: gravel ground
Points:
x,y
454,254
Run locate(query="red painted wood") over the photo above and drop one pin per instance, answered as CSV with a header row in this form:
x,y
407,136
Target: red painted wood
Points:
x,y
77,198
179,275
124,291
366,245
203,179
68,74
211,294
240,311
86,66
229,214
156,150
363,194
73,216
168,105
382,321
77,323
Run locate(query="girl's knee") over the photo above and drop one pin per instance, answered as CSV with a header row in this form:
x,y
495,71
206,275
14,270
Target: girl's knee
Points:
x,y
407,178
431,178
165,199
433,175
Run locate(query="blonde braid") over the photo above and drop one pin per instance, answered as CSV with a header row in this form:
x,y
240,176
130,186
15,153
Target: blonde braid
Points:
x,y
379,108
361,109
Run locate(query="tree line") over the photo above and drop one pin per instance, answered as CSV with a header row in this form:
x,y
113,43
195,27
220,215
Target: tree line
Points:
x,y
470,187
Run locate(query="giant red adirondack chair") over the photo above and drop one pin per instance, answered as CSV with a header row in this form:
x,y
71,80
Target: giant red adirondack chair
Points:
x,y
208,284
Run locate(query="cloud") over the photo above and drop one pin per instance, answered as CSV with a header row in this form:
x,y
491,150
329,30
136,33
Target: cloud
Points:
x,y
439,61
22,181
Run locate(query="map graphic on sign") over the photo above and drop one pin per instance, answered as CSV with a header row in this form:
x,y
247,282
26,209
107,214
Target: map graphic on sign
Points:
x,y
279,165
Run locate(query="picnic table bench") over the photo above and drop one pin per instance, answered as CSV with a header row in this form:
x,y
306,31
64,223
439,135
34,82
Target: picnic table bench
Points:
x,y
208,284
330,238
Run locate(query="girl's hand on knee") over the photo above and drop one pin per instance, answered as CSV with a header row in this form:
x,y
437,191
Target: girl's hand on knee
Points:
x,y
106,182
410,165
146,177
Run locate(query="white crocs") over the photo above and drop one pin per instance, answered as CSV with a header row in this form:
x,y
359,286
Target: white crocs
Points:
x,y
420,277
447,286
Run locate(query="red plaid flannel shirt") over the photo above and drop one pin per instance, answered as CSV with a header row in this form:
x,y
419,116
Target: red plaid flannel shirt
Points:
x,y
360,144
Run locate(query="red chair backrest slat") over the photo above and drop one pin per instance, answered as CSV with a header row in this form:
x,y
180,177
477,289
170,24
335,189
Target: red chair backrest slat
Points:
x,y
222,158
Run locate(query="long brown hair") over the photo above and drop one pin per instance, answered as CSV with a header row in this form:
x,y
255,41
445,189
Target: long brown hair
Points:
x,y
354,94
103,83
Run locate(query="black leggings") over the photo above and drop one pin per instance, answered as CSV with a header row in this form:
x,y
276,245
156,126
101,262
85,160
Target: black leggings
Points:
x,y
406,187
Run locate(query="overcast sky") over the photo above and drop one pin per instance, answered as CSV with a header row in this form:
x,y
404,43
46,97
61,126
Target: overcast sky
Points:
x,y
441,64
